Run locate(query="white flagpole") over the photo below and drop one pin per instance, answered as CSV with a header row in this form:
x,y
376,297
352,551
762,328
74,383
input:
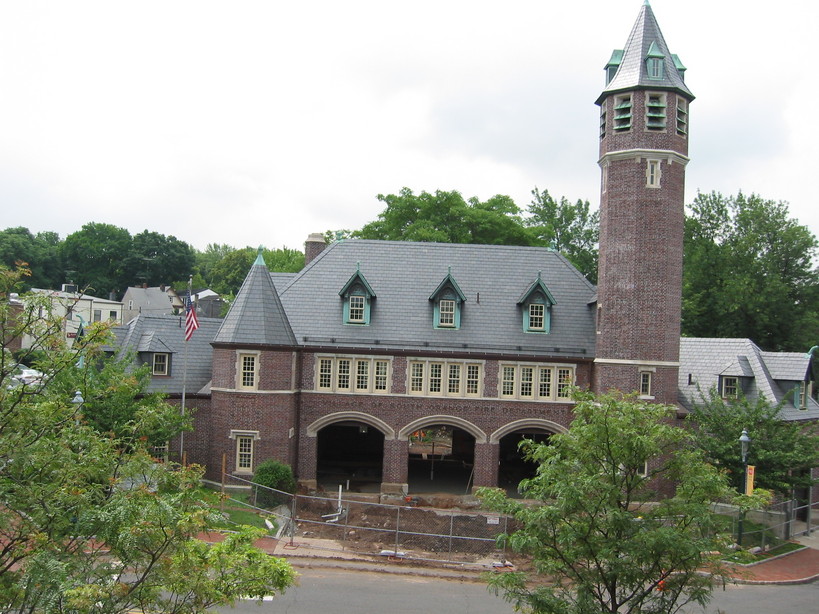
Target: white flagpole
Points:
x,y
185,369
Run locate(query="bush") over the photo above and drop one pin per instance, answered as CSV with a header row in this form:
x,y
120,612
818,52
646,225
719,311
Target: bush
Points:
x,y
276,475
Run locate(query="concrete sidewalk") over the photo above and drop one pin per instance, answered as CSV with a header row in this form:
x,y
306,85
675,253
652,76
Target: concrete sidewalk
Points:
x,y
797,567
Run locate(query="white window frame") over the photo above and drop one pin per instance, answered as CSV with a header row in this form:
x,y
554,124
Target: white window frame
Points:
x,y
537,317
352,374
357,308
243,360
654,173
446,313
646,383
444,378
245,450
536,381
157,367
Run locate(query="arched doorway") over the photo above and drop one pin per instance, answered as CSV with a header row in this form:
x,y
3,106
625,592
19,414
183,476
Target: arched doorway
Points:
x,y
349,453
512,465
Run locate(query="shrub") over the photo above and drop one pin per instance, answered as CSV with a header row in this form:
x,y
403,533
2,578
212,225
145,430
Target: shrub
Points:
x,y
276,475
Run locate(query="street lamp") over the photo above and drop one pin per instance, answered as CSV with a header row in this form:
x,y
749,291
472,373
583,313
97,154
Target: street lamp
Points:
x,y
77,401
744,444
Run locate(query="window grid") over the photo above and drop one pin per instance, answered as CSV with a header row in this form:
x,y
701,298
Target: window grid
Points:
x,y
248,373
444,378
244,453
730,387
519,381
536,316
356,309
160,364
446,312
645,383
359,375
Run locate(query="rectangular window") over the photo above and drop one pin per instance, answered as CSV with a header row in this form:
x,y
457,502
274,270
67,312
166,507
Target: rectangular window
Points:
x,y
682,117
545,384
532,382
446,313
655,112
247,372
112,315
536,316
603,120
730,387
381,373
565,379
435,374
362,375
97,315
325,379
473,379
508,382
455,379
622,113
526,382
645,383
653,174
160,364
417,377
356,309
244,453
343,374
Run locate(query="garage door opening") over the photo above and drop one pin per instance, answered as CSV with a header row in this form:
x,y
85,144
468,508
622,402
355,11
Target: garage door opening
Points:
x,y
513,466
350,454
441,460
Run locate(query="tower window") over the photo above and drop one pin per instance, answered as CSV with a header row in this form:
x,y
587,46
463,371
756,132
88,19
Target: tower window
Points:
x,y
655,112
622,113
653,174
682,116
603,119
654,66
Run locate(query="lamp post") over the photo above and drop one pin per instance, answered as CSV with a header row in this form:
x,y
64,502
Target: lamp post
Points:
x,y
744,444
77,401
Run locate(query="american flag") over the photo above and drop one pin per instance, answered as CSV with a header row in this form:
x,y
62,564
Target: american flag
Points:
x,y
191,322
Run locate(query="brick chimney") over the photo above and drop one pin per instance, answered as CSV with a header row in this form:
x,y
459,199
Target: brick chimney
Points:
x,y
314,245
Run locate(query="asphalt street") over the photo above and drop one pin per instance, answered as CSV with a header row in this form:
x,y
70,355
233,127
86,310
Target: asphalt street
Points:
x,y
333,591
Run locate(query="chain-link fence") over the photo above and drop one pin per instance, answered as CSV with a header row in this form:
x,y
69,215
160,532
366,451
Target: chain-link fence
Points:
x,y
343,523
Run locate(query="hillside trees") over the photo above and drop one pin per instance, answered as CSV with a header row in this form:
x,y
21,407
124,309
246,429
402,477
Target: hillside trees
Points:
x,y
749,273
89,521
596,546
40,252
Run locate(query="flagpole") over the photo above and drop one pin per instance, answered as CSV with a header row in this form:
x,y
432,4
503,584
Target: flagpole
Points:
x,y
185,370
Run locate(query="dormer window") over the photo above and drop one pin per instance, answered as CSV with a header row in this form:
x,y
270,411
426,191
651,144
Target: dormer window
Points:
x,y
655,62
448,303
536,303
730,387
357,296
160,364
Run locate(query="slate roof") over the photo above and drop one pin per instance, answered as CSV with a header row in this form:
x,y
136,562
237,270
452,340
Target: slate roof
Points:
x,y
149,334
632,73
404,274
772,375
256,316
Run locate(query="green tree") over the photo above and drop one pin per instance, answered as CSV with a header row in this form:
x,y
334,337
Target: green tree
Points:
x,y
96,256
596,544
158,259
206,260
749,273
40,253
783,452
230,271
571,229
445,217
90,522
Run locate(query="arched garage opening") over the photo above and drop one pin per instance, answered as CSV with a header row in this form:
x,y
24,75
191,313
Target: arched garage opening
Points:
x,y
441,454
513,467
349,453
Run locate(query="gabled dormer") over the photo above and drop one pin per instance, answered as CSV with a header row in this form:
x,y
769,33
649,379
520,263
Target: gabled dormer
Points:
x,y
447,301
655,61
536,307
357,295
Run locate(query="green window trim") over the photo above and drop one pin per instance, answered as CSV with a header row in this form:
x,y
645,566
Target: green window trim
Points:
x,y
357,296
447,301
536,303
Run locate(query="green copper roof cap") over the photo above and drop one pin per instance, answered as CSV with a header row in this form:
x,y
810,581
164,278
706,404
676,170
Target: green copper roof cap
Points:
x,y
645,43
260,258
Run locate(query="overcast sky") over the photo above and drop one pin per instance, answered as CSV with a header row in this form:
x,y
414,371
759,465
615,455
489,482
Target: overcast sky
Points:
x,y
257,123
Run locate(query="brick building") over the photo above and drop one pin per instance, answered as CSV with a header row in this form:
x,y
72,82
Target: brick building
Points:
x,y
355,368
